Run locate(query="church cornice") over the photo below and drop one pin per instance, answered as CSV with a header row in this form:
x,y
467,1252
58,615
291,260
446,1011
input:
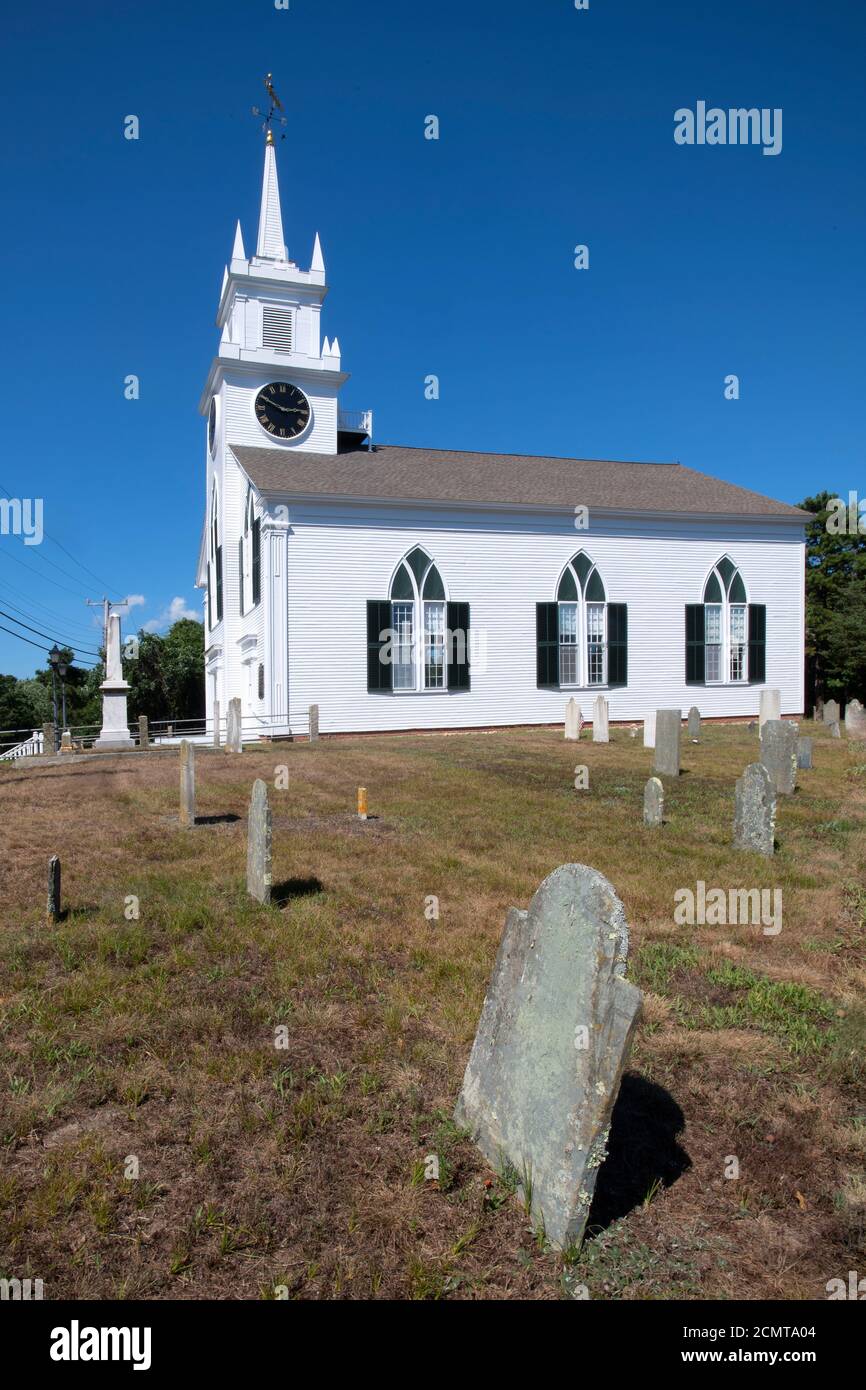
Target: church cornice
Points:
x,y
263,365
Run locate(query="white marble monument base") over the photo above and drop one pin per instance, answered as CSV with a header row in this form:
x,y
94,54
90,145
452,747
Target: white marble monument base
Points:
x,y
115,733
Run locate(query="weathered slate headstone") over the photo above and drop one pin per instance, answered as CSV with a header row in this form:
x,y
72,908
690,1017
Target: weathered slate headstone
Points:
x,y
755,810
653,802
855,720
314,723
53,906
600,721
779,754
187,784
233,727
694,723
831,712
216,723
649,730
259,844
573,720
818,712
143,732
667,751
551,1046
770,707
835,731
804,752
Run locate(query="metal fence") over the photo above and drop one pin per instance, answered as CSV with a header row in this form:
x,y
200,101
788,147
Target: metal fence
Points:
x,y
24,743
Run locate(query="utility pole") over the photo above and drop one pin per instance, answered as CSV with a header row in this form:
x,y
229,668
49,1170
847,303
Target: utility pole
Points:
x,y
106,604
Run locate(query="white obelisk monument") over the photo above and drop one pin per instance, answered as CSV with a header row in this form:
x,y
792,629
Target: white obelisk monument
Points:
x,y
115,731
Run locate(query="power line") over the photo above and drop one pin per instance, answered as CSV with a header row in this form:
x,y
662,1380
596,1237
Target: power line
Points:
x,y
61,546
53,619
84,665
44,577
59,640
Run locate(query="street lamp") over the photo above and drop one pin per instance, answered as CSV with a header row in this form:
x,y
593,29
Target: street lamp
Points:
x,y
59,667
54,660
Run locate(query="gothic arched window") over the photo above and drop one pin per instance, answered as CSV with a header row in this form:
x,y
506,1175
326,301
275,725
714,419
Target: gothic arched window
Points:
x,y
418,621
725,624
582,605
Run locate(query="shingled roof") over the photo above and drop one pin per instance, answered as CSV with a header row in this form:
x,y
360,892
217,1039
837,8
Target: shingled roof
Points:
x,y
398,474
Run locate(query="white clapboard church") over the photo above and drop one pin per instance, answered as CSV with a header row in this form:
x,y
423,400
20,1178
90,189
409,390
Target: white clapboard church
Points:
x,y
406,588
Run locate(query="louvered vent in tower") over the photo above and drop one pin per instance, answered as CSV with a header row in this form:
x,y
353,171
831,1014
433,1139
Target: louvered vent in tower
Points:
x,y
276,328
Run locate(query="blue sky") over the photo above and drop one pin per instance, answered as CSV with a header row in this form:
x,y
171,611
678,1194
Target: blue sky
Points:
x,y
452,257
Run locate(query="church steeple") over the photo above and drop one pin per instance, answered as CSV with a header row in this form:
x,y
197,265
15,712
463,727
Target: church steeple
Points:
x,y
270,245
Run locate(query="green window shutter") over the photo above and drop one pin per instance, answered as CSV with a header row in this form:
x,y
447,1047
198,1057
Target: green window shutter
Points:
x,y
257,560
547,645
241,575
380,673
696,657
457,622
219,583
757,643
617,644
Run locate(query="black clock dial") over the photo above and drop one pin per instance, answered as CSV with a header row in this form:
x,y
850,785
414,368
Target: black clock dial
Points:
x,y
282,410
211,424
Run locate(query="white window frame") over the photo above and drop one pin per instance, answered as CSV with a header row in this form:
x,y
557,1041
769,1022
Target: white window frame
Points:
x,y
419,607
727,646
582,605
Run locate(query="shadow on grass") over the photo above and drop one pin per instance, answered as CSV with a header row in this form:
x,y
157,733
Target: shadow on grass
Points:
x,y
284,893
226,819
642,1151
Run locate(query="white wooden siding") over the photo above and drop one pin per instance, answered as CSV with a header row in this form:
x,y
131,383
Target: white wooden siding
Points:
x,y
502,565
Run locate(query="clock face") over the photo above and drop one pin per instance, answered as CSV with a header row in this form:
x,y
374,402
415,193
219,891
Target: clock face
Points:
x,y
282,410
211,425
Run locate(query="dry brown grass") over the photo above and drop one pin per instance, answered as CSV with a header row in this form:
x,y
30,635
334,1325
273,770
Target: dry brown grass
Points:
x,y
303,1167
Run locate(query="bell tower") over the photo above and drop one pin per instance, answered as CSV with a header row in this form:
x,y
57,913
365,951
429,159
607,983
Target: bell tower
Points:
x,y
275,381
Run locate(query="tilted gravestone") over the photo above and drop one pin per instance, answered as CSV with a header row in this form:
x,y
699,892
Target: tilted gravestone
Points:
x,y
573,720
831,712
694,722
649,730
259,844
600,721
770,707
551,1046
53,906
667,751
779,754
755,811
233,727
653,802
835,731
855,720
187,784
804,752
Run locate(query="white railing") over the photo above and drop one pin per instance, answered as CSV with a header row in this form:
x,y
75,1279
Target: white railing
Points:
x,y
358,421
28,749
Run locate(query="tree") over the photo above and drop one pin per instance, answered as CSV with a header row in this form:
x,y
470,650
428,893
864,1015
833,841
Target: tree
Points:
x,y
167,678
835,602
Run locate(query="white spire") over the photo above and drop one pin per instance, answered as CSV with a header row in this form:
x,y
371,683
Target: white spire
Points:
x,y
270,244
238,252
318,262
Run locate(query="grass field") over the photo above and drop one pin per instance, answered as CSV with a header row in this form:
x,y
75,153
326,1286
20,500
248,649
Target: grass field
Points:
x,y
151,1043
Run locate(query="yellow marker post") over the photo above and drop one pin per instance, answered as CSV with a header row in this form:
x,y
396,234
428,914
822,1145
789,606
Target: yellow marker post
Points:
x,y
362,803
